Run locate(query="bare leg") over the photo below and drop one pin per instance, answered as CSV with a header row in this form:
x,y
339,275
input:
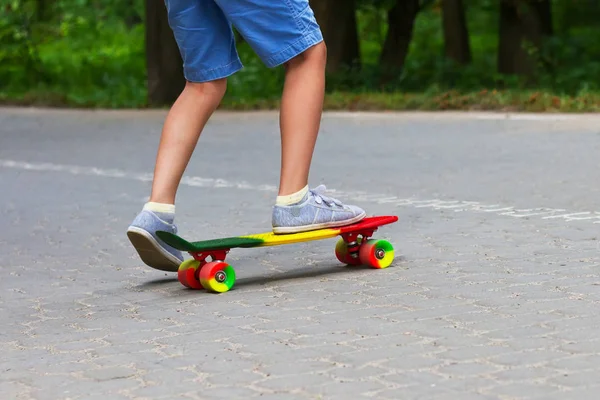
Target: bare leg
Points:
x,y
300,118
296,210
181,132
180,135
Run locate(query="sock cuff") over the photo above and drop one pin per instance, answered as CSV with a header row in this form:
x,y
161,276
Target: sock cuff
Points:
x,y
292,198
160,207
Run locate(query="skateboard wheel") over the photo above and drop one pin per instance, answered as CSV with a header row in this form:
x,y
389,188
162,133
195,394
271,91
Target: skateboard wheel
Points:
x,y
377,253
217,276
343,255
188,274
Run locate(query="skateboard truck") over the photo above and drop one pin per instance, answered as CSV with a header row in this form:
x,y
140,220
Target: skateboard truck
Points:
x,y
353,243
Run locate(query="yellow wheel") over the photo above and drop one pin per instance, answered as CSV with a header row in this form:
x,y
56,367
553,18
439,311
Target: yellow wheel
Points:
x,y
217,276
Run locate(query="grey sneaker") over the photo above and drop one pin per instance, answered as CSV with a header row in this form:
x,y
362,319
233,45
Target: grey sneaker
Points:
x,y
314,211
154,252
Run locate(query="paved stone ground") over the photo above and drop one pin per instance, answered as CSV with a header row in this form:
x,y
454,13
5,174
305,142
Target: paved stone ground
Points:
x,y
494,294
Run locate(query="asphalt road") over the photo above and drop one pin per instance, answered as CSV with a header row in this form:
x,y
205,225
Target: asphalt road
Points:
x,y
494,293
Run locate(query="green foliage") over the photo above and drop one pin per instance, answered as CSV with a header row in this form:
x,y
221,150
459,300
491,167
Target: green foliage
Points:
x,y
19,53
79,52
91,53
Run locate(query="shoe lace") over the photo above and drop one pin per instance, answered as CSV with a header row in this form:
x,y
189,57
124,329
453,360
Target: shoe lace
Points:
x,y
318,194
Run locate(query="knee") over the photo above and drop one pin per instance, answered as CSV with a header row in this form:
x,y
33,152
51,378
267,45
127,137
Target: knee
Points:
x,y
315,55
215,88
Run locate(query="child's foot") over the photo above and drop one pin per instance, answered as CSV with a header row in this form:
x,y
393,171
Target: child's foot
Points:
x,y
142,234
313,211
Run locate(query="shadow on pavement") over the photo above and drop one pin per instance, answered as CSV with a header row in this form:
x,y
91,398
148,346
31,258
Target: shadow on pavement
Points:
x,y
158,282
299,273
259,280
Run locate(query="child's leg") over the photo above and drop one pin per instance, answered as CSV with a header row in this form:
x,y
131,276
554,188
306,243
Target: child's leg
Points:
x,y
181,131
286,32
207,46
300,118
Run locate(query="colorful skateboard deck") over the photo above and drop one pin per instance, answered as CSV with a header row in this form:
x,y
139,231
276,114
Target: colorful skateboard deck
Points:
x,y
354,247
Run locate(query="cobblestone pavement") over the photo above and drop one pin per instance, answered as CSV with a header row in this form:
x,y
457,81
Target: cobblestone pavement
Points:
x,y
494,293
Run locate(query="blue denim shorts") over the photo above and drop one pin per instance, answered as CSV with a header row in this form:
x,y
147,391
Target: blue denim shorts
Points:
x,y
277,30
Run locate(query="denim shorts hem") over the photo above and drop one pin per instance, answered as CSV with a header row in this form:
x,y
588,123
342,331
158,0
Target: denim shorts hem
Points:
x,y
308,40
193,74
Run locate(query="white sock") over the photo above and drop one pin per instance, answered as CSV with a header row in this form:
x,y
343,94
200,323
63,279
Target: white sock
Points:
x,y
160,207
291,198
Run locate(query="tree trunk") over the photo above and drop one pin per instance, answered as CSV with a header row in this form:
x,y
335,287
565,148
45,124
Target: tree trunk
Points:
x,y
456,35
163,60
544,10
401,21
522,23
337,19
43,10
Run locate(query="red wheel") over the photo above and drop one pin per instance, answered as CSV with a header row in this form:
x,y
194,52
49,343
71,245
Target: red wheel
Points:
x,y
188,274
343,255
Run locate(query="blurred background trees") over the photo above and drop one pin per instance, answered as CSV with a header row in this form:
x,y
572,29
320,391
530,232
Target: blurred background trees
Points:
x,y
120,53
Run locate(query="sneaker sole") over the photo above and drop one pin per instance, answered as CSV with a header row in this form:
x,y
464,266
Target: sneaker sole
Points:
x,y
151,252
314,227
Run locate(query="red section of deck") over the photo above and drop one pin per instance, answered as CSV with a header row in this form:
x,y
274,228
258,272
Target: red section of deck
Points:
x,y
369,223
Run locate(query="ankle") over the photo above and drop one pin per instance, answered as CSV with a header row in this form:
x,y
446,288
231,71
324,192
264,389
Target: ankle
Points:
x,y
165,212
291,198
164,208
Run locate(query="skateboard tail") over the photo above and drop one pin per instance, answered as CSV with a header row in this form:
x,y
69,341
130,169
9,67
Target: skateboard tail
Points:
x,y
175,241
181,244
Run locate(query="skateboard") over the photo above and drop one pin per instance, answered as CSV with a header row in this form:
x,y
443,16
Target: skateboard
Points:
x,y
355,247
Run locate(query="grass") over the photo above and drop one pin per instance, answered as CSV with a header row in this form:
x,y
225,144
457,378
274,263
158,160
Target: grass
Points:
x,y
514,101
505,101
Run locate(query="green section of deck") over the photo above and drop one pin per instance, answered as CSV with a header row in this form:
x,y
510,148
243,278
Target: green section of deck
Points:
x,y
226,243
213,244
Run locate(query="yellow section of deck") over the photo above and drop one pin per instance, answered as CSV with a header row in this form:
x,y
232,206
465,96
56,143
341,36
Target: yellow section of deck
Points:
x,y
271,239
